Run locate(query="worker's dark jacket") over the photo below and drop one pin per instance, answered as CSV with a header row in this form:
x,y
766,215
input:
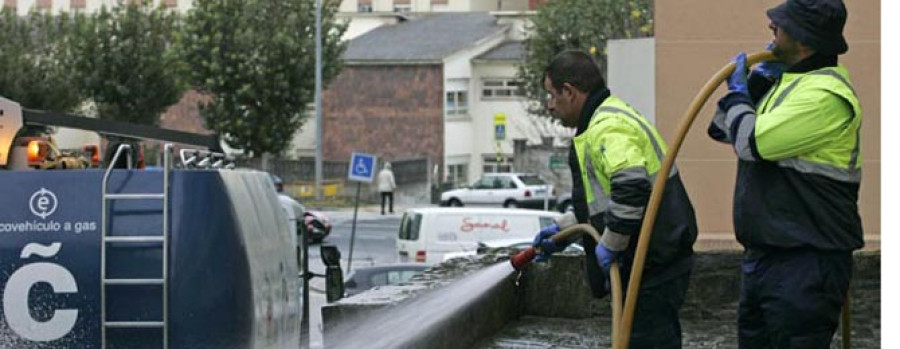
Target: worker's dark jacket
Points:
x,y
798,158
616,154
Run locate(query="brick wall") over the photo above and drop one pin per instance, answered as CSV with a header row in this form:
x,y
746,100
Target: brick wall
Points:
x,y
185,115
182,116
394,112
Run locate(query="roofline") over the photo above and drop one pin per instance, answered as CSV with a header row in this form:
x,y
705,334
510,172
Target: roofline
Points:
x,y
357,62
500,32
496,60
528,13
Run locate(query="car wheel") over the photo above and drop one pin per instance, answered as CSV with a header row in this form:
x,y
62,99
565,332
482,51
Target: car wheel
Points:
x,y
511,204
566,206
455,203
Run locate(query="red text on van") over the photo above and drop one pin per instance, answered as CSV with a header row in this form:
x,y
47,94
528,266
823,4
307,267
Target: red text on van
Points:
x,y
468,225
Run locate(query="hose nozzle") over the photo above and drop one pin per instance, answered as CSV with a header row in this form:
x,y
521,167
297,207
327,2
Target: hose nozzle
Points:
x,y
520,260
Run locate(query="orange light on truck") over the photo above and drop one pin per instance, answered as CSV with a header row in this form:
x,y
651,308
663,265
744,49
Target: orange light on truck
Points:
x,y
37,151
95,154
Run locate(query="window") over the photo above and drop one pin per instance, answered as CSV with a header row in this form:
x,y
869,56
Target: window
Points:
x,y
402,8
499,88
458,175
546,221
484,183
409,227
379,279
364,7
457,102
532,180
506,183
492,165
403,276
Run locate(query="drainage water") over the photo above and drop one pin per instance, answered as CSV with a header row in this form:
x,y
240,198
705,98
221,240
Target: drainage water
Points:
x,y
401,325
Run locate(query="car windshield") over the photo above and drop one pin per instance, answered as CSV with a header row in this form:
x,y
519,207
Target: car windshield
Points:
x,y
531,180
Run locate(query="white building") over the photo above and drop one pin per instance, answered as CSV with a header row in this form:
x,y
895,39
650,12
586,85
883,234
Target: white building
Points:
x,y
472,57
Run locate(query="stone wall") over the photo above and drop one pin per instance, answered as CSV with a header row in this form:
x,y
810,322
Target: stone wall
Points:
x,y
555,307
709,314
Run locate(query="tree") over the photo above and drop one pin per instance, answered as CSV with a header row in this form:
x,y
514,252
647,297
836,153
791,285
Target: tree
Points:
x,y
577,24
35,60
255,59
126,63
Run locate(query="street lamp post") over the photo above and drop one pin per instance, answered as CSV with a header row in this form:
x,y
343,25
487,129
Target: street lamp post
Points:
x,y
318,187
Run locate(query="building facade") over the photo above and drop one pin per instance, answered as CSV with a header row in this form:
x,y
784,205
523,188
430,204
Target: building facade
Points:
x,y
23,6
392,75
421,6
693,39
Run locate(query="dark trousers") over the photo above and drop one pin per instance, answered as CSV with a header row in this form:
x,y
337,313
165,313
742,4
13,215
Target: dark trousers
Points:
x,y
663,290
792,298
389,196
656,323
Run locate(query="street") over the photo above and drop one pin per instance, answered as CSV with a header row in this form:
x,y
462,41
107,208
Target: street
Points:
x,y
375,244
375,239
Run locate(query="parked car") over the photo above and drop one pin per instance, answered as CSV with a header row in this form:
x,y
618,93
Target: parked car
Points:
x,y
502,189
365,278
514,245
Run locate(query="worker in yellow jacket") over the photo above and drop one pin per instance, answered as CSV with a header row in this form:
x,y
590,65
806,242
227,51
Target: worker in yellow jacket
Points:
x,y
794,126
615,156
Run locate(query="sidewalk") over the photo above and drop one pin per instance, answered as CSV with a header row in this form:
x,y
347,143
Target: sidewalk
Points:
x,y
366,211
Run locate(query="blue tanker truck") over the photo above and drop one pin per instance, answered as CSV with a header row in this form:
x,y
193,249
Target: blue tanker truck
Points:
x,y
166,257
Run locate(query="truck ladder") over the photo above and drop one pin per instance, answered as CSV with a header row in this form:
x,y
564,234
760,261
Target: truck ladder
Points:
x,y
162,239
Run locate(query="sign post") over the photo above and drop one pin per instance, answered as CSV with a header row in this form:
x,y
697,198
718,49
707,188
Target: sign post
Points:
x,y
362,169
547,197
499,126
499,133
557,162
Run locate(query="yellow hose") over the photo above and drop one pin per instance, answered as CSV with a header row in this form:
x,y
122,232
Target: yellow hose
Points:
x,y
634,283
572,233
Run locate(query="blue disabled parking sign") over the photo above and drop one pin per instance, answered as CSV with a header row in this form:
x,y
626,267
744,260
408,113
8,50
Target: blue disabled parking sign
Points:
x,y
362,167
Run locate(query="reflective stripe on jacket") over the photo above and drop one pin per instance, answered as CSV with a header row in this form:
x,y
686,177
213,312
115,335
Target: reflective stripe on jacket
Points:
x,y
799,164
619,157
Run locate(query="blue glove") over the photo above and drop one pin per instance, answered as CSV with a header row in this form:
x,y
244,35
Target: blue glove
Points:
x,y
546,246
605,257
771,69
737,82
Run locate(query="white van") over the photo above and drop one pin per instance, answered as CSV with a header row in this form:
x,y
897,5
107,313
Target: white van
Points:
x,y
426,234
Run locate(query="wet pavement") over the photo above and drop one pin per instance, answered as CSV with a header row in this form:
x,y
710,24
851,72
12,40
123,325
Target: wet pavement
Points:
x,y
708,317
